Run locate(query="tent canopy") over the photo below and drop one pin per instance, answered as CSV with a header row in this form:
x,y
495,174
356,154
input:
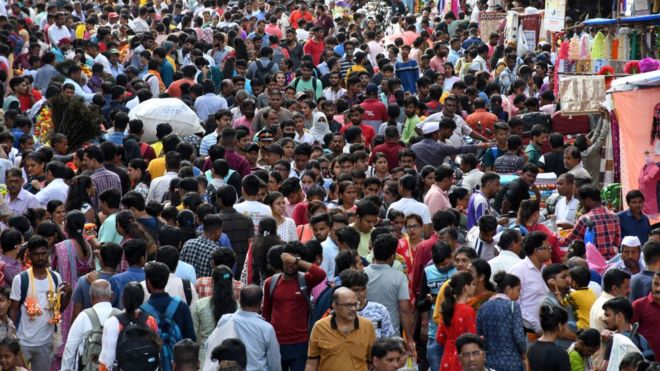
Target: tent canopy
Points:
x,y
647,79
652,18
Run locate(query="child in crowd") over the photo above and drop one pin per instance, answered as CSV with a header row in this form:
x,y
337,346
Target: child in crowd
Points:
x,y
582,297
10,354
588,343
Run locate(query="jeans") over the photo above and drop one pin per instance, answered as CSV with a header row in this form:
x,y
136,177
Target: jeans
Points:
x,y
39,358
294,356
434,353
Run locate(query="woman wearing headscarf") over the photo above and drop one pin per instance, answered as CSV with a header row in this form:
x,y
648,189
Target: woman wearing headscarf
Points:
x,y
320,126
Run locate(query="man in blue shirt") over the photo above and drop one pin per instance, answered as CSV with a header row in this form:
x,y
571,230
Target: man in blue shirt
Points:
x,y
135,251
632,221
407,70
166,70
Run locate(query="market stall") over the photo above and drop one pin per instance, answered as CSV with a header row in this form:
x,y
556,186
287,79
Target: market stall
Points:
x,y
636,103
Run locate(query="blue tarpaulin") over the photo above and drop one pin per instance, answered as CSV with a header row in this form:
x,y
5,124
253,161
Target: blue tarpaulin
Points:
x,y
652,18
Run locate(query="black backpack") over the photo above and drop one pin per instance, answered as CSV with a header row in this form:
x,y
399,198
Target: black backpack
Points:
x,y
262,71
137,344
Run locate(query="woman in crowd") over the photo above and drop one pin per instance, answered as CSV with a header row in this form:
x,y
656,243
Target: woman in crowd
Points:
x,y
207,311
80,195
305,231
484,288
57,211
139,176
426,180
132,298
73,258
500,323
379,167
457,318
544,354
286,228
346,197
256,268
128,227
528,221
35,167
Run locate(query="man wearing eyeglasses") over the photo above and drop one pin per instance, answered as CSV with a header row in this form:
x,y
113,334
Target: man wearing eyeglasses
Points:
x,y
471,352
534,289
343,340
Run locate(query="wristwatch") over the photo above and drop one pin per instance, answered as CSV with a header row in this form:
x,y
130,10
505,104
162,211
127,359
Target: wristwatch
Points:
x,y
297,259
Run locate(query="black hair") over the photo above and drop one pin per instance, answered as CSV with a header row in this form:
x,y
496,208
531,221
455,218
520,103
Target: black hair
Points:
x,y
651,252
157,274
508,237
504,280
10,239
381,347
111,254
468,338
551,317
581,276
589,337
134,250
442,219
620,305
230,350
344,260
614,277
384,247
132,296
223,299
440,252
186,354
169,255
353,277
453,290
349,236
533,241
12,344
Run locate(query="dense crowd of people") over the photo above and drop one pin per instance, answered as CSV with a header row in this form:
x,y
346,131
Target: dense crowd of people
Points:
x,y
363,195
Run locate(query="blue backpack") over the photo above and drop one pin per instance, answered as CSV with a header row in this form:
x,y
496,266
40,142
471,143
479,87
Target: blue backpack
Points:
x,y
168,330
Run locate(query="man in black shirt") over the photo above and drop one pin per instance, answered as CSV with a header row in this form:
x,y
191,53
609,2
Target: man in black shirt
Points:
x,y
511,195
238,227
553,161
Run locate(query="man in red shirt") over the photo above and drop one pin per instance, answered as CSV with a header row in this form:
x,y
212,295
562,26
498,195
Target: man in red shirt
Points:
x,y
189,73
355,116
286,304
315,45
646,312
375,112
481,120
300,13
390,148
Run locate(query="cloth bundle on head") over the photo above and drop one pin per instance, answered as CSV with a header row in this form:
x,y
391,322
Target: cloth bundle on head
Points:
x,y
320,126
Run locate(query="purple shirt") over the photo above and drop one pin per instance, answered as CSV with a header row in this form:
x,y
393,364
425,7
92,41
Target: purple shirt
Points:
x,y
237,162
104,179
11,268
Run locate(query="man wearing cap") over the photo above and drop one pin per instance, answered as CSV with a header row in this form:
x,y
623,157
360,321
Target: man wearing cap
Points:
x,y
61,50
432,150
629,259
273,153
116,68
58,31
375,112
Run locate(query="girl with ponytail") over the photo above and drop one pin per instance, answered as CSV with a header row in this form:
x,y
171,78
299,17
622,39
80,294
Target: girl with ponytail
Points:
x,y
544,354
500,323
457,318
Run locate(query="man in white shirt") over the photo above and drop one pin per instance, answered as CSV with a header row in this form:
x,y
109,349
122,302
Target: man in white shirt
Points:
x,y
567,205
479,63
83,325
252,208
92,49
471,173
616,283
56,188
18,199
58,31
161,185
462,129
573,162
408,205
176,286
510,244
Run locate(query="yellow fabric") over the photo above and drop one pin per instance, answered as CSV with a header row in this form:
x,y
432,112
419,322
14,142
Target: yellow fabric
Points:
x,y
171,60
158,148
354,69
80,31
437,316
582,299
156,167
444,95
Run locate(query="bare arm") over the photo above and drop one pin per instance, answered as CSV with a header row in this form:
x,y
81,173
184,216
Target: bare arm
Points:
x,y
312,364
407,323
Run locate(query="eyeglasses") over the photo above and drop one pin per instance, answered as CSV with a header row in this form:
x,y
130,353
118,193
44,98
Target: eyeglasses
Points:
x,y
544,247
469,355
414,226
349,305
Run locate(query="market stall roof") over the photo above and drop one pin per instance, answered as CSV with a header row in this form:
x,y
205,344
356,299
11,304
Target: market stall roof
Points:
x,y
652,18
647,79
